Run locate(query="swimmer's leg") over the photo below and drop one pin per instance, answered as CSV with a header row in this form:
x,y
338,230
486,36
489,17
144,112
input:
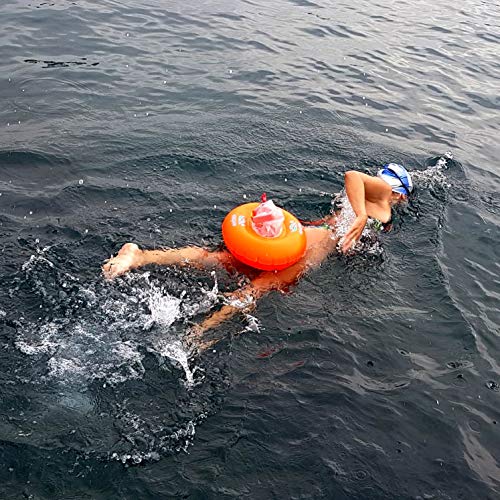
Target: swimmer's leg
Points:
x,y
242,300
195,338
131,256
319,245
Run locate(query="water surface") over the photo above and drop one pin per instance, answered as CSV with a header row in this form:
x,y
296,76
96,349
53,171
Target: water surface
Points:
x,y
376,377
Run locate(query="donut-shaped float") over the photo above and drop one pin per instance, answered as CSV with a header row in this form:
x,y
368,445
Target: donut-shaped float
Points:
x,y
265,253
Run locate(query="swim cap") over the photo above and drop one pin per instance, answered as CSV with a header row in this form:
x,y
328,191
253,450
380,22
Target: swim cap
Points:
x,y
397,177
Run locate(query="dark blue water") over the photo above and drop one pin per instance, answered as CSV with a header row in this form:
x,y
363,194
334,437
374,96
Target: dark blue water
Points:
x,y
375,377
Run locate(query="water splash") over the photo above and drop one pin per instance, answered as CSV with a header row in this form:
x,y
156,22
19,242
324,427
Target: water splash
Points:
x,y
253,324
369,243
209,297
165,308
240,302
158,437
96,331
36,259
175,350
434,176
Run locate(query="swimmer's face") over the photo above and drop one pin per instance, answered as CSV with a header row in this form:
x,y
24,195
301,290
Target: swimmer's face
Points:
x,y
398,198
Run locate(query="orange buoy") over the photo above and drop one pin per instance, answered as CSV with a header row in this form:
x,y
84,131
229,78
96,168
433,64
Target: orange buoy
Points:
x,y
241,229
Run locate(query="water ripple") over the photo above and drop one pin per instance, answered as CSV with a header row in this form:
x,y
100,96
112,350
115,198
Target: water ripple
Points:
x,y
149,121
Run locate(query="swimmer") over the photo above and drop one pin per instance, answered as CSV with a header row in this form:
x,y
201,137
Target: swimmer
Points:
x,y
370,198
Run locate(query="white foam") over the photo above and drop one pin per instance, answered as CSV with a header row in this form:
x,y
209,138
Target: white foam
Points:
x,y
36,259
165,308
209,297
158,437
253,324
105,340
434,175
241,302
45,341
175,350
368,243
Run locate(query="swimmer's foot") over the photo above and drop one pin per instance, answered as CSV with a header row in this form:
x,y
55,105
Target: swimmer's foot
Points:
x,y
129,257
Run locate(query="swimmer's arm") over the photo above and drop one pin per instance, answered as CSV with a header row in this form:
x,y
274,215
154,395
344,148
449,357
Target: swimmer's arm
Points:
x,y
366,195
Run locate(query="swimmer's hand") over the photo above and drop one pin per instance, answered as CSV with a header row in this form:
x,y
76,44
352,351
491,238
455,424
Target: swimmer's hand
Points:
x,y
354,233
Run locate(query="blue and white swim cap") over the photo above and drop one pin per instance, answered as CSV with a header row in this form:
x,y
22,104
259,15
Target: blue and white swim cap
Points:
x,y
397,177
